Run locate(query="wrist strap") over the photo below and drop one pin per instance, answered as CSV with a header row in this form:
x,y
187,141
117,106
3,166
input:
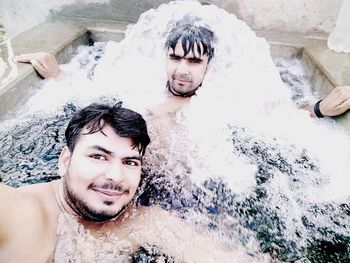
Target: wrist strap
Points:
x,y
317,110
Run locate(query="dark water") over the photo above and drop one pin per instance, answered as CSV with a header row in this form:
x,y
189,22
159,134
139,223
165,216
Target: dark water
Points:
x,y
320,233
30,149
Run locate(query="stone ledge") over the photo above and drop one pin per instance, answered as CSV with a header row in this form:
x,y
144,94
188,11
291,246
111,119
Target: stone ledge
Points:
x,y
48,37
60,38
336,66
54,37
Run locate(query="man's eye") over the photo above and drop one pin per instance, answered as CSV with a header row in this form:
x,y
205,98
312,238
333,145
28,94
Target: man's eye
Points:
x,y
131,163
98,157
195,61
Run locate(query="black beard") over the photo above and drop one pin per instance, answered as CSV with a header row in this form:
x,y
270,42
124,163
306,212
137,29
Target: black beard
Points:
x,y
83,210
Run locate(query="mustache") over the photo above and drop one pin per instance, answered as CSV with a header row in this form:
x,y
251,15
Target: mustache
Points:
x,y
110,186
184,77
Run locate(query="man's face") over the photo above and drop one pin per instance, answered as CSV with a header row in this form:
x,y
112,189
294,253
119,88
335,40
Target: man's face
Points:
x,y
101,175
185,73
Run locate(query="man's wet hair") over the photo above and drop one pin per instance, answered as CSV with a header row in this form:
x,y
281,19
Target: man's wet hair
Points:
x,y
191,37
125,123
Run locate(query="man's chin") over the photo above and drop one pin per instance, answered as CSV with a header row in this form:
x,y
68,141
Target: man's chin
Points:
x,y
182,89
93,211
99,213
103,216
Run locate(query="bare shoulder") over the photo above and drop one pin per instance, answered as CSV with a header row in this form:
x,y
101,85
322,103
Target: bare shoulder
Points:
x,y
8,195
25,195
11,201
40,198
24,202
14,202
25,223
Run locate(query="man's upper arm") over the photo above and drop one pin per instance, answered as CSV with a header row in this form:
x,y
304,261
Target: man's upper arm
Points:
x,y
7,199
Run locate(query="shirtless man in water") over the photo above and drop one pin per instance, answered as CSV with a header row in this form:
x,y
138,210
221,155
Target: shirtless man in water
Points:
x,y
186,70
100,170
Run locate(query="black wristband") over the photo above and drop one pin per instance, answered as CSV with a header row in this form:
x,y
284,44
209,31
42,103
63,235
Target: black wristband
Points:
x,y
317,110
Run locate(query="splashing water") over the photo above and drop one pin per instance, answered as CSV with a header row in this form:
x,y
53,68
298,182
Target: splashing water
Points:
x,y
262,172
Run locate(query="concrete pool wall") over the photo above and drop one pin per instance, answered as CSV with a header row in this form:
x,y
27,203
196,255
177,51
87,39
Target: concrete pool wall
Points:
x,y
57,37
64,30
303,16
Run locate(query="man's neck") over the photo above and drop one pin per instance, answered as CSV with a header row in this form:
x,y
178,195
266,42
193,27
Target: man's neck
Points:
x,y
177,94
61,202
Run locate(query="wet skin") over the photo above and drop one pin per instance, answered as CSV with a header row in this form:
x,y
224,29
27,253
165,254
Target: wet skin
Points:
x,y
185,73
101,175
102,172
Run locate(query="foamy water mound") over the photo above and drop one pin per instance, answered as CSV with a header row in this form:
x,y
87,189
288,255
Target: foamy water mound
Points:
x,y
137,69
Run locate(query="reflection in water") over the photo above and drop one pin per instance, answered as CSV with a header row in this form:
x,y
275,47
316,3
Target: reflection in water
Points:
x,y
259,171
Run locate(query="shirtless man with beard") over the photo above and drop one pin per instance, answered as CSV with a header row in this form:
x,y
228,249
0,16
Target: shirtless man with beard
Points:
x,y
88,215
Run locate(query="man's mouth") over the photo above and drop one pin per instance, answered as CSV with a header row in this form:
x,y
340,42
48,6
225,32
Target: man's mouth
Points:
x,y
182,78
109,189
181,82
108,192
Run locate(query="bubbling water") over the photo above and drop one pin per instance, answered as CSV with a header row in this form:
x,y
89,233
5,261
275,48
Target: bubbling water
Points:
x,y
260,171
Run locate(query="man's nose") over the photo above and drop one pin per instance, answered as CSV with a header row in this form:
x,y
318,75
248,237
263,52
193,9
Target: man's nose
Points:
x,y
182,67
115,172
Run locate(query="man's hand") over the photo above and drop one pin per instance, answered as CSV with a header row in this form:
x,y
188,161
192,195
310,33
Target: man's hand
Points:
x,y
44,63
337,102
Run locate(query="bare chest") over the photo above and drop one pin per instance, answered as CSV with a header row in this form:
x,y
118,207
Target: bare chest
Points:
x,y
76,244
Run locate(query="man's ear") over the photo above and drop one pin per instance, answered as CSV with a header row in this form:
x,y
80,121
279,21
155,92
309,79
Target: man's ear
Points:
x,y
63,161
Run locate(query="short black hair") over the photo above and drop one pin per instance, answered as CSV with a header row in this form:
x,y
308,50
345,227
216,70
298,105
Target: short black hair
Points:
x,y
125,122
191,37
